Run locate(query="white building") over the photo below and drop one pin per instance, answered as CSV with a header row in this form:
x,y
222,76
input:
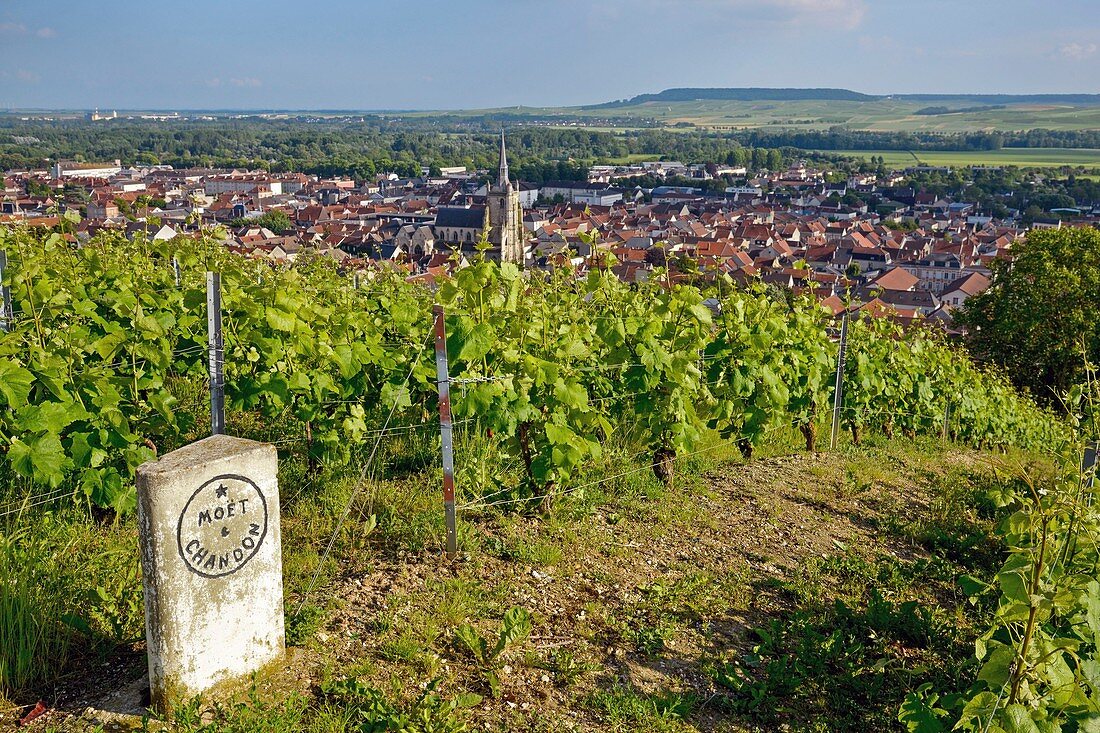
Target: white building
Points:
x,y
242,183
69,169
579,192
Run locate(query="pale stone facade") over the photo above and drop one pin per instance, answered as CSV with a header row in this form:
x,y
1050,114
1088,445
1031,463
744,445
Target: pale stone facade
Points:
x,y
505,215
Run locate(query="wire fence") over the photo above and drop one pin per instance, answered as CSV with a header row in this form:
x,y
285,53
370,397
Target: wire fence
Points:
x,y
34,500
367,466
501,498
431,425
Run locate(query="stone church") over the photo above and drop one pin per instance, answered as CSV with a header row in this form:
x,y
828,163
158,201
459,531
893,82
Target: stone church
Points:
x,y
502,215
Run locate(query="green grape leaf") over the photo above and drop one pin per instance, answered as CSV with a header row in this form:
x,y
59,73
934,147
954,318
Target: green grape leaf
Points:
x,y
559,435
109,345
1016,719
396,395
49,417
15,383
468,343
570,394
83,453
280,320
298,382
40,458
107,490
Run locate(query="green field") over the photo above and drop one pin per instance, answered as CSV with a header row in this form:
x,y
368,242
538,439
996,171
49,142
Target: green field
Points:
x,y
880,115
1023,157
885,114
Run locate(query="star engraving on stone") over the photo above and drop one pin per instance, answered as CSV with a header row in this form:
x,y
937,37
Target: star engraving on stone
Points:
x,y
225,531
222,491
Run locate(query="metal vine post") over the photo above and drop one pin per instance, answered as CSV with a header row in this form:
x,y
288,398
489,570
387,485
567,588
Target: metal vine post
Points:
x,y
838,393
6,314
216,348
446,432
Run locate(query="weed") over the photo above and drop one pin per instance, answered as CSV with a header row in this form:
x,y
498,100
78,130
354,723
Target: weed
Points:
x,y
544,553
459,599
370,710
530,549
247,715
565,666
846,577
487,652
115,607
649,639
849,664
908,622
407,645
629,709
791,657
653,621
33,643
301,626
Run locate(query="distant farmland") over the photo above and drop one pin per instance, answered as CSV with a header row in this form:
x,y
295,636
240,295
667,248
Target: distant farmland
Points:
x,y
883,115
1023,157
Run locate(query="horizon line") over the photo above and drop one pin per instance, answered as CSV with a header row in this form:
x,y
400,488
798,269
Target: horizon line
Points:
x,y
502,108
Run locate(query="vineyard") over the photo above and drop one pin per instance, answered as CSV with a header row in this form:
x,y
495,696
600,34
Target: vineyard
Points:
x,y
105,364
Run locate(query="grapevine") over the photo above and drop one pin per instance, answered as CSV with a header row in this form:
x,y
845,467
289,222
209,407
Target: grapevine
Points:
x,y
106,364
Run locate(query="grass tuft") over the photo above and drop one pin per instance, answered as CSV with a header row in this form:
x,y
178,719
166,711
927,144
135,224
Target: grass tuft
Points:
x,y
34,645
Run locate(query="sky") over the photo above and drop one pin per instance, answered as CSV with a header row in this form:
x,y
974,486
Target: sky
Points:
x,y
469,54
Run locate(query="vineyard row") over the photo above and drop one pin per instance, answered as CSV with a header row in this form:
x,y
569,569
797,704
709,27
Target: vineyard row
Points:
x,y
105,363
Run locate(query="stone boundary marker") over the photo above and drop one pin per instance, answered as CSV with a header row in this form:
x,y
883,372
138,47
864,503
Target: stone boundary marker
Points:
x,y
211,558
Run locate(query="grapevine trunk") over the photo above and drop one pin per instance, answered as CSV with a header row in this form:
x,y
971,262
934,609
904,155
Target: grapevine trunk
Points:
x,y
663,464
809,432
745,446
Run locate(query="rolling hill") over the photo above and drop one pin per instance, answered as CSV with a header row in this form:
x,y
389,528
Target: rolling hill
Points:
x,y
819,109
768,94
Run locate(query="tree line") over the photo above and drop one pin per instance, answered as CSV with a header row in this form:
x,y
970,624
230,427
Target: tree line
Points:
x,y
843,138
356,149
361,147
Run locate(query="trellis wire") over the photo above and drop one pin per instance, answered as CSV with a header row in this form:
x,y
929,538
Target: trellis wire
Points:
x,y
358,488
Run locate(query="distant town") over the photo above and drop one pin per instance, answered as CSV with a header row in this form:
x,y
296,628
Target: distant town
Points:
x,y
870,242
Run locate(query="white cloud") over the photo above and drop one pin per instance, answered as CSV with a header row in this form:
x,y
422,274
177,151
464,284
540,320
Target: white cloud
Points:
x,y
27,76
1078,51
831,14
843,13
18,29
215,82
247,81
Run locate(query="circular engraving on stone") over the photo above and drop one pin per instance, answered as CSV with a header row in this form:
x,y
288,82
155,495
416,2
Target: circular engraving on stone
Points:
x,y
222,526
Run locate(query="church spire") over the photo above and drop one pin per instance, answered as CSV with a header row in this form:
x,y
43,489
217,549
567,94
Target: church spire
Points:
x,y
502,174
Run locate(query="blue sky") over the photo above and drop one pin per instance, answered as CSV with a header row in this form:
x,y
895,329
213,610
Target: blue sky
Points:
x,y
434,54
